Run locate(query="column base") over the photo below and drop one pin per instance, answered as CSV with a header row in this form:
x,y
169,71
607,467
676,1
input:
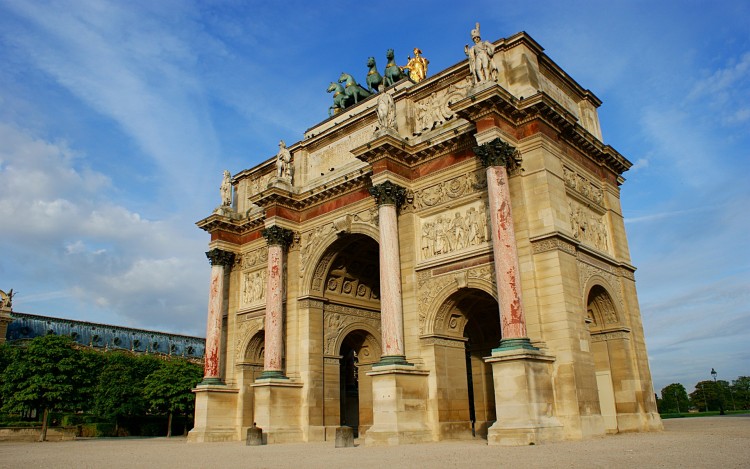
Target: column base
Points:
x,y
211,382
273,374
278,407
524,399
215,414
399,406
514,344
388,360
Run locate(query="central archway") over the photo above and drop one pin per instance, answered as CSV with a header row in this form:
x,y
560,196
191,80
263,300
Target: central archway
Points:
x,y
349,281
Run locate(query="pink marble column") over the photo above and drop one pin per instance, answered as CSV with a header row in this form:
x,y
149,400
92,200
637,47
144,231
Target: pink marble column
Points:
x,y
496,156
278,240
219,261
389,196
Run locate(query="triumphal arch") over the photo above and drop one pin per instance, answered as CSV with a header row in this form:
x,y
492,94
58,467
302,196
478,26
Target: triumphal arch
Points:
x,y
444,257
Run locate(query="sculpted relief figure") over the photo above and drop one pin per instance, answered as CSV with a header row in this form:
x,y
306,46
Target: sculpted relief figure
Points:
x,y
284,162
447,234
480,55
226,189
386,110
417,66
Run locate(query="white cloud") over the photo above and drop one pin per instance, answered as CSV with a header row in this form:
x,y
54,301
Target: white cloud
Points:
x,y
54,210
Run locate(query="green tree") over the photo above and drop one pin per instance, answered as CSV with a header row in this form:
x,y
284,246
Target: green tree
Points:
x,y
119,392
674,398
706,396
7,354
45,375
169,388
741,391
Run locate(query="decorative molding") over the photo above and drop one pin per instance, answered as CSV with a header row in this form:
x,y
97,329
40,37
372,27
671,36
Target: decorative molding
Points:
x,y
550,244
220,257
339,319
278,236
388,193
586,271
452,342
604,336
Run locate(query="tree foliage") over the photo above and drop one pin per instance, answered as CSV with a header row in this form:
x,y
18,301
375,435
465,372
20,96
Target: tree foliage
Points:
x,y
45,375
169,388
674,398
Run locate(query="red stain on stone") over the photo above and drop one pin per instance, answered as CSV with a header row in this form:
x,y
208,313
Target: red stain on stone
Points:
x,y
503,215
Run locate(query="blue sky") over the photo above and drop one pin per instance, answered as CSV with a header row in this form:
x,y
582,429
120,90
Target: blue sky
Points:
x,y
118,118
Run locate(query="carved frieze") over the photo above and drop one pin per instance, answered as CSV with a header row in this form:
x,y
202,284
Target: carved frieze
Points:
x,y
451,189
588,226
454,230
337,154
582,186
434,110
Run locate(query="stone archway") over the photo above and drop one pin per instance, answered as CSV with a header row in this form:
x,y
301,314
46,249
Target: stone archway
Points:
x,y
466,329
249,367
610,349
347,277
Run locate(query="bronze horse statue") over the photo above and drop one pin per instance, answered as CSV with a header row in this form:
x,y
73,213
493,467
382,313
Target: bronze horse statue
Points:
x,y
374,79
393,72
352,89
339,98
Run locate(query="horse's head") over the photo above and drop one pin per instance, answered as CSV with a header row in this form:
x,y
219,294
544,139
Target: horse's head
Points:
x,y
389,54
344,76
371,61
332,87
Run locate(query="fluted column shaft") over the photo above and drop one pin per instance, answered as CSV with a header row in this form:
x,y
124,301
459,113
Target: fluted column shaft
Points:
x,y
389,196
278,239
219,261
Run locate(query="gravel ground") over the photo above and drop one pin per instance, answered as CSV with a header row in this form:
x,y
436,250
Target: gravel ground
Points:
x,y
717,442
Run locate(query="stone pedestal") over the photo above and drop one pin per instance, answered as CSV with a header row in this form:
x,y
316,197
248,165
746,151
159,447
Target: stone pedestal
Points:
x,y
254,436
399,406
524,400
344,437
278,409
215,414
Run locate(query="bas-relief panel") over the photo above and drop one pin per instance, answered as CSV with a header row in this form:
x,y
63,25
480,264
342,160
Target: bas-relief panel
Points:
x,y
253,288
253,277
454,230
588,226
434,110
336,154
256,184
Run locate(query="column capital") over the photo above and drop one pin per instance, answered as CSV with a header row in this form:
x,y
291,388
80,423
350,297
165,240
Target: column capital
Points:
x,y
496,153
220,257
278,236
388,193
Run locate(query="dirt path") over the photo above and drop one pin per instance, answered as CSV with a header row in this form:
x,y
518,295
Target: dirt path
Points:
x,y
687,443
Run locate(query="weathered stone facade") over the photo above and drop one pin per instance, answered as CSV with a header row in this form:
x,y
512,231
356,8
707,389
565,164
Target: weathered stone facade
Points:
x,y
466,274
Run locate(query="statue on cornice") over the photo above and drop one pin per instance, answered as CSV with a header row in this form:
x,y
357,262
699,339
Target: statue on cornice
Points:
x,y
386,110
6,300
284,162
417,66
480,55
226,189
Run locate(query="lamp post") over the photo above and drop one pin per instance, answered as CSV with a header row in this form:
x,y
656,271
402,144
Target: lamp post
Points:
x,y
677,400
703,388
716,386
